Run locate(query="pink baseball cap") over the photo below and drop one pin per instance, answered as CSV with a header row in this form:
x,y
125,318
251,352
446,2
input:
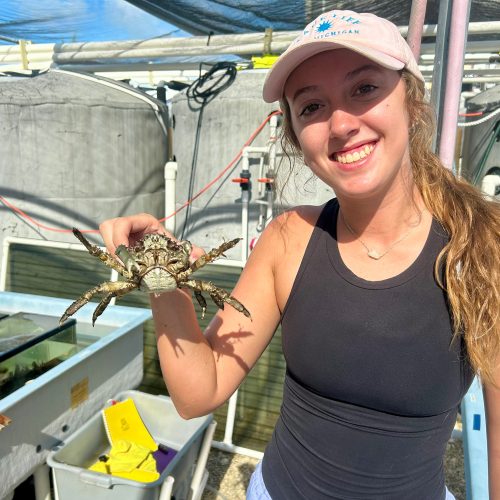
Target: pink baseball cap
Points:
x,y
371,36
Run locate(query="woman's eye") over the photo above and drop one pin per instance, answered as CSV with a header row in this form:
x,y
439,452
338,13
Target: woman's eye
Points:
x,y
309,109
365,89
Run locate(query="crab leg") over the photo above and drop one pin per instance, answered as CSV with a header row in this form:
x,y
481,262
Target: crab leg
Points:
x,y
201,300
110,288
214,254
102,305
218,295
106,258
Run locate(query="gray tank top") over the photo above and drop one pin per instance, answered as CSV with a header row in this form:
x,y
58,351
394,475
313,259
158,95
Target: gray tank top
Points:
x,y
373,380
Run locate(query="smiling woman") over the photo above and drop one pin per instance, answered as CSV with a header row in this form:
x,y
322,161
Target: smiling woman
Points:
x,y
388,295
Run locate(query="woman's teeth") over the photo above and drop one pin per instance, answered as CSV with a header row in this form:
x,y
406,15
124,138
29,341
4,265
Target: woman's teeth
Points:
x,y
357,155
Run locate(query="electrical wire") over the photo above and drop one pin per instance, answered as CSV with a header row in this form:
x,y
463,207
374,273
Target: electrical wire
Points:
x,y
254,134
18,211
203,90
489,116
218,78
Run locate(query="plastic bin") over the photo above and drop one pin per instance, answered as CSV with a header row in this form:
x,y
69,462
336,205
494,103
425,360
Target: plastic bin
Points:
x,y
70,461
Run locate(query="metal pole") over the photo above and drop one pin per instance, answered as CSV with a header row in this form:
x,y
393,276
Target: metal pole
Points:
x,y
440,59
415,26
454,73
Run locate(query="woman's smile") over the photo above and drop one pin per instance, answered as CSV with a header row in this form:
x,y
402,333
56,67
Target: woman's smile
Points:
x,y
352,157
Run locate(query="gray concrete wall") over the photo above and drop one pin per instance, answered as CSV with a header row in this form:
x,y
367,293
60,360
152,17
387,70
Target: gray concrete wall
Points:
x,y
74,152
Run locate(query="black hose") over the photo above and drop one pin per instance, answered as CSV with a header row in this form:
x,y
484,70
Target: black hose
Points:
x,y
203,90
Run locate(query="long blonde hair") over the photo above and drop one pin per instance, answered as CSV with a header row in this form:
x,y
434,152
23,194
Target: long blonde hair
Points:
x,y
470,261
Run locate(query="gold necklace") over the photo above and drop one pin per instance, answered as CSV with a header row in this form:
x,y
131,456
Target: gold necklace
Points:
x,y
371,252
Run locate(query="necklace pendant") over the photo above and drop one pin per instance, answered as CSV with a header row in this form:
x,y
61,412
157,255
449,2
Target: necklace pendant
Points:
x,y
373,254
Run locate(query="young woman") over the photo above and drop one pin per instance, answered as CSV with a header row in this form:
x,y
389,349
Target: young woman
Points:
x,y
388,295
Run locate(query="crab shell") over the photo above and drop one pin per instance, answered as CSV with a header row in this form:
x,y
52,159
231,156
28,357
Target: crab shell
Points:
x,y
155,261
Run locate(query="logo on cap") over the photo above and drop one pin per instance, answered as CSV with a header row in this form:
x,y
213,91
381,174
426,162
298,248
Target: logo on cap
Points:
x,y
326,27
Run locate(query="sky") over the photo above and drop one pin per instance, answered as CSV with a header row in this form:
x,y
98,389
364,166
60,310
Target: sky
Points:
x,y
57,21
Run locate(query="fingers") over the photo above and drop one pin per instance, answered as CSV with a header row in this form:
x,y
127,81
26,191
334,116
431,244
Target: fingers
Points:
x,y
196,253
128,230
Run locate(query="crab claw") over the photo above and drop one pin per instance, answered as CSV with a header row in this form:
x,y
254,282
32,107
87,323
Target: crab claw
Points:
x,y
128,260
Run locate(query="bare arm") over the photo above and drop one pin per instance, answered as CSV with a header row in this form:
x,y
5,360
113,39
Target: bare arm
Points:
x,y
203,369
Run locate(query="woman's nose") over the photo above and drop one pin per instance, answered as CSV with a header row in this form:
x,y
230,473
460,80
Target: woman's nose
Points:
x,y
343,124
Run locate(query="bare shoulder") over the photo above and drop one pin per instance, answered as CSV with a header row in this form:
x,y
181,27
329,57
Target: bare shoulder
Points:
x,y
302,214
293,223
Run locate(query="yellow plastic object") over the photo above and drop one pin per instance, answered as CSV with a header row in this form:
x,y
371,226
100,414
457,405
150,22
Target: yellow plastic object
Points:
x,y
264,62
130,461
123,422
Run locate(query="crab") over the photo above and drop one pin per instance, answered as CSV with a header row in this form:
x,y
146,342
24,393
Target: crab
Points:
x,y
155,264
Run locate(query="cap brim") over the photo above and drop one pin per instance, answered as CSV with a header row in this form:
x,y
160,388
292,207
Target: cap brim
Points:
x,y
277,76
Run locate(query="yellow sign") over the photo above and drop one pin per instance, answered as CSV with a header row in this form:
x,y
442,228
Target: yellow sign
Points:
x,y
80,392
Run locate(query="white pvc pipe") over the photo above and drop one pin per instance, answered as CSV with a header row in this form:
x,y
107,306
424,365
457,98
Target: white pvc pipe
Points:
x,y
9,240
230,418
54,484
273,130
166,489
245,200
41,478
273,138
245,195
87,55
170,181
255,149
470,58
484,27
231,448
201,461
234,43
3,265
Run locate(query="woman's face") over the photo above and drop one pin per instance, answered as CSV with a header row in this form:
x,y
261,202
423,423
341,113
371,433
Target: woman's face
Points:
x,y
350,120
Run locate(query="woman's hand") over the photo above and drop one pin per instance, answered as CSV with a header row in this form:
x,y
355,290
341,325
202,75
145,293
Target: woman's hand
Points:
x,y
129,230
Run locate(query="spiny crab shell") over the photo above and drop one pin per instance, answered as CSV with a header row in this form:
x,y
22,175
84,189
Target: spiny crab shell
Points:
x,y
155,264
156,260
